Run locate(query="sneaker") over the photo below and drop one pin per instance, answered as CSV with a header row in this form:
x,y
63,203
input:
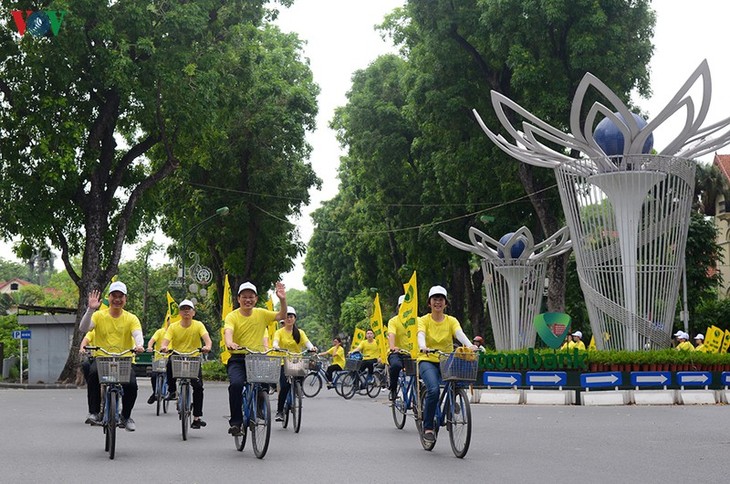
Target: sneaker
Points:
x,y
391,395
279,416
197,423
235,430
93,419
329,386
129,425
152,399
172,396
429,436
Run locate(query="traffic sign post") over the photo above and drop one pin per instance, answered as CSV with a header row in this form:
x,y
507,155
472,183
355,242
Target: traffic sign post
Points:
x,y
546,378
502,379
694,379
651,379
601,380
20,336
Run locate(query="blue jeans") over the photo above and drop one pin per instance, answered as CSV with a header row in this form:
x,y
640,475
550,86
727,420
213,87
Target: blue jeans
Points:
x,y
431,376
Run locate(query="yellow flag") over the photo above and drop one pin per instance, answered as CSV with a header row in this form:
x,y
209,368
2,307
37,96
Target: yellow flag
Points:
x,y
173,313
376,324
592,344
408,313
725,342
713,339
273,325
227,308
357,337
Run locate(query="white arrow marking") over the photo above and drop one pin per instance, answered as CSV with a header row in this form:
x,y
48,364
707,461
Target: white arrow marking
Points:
x,y
693,378
651,379
602,379
501,379
545,378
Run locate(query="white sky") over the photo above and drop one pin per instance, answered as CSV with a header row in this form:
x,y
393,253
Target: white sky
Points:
x,y
341,39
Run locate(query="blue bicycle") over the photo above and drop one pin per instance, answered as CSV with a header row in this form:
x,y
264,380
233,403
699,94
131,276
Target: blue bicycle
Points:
x,y
453,411
405,399
113,369
185,366
159,368
261,371
296,366
316,378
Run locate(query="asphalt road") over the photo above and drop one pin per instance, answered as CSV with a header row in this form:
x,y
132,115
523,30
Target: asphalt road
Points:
x,y
43,439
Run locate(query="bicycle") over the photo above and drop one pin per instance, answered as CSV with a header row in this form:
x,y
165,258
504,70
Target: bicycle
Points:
x,y
159,367
113,369
453,410
185,366
296,366
406,393
317,377
260,371
357,380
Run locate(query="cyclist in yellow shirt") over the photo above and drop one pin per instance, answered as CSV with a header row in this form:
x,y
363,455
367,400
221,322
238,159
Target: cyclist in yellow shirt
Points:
x,y
292,339
370,351
436,331
246,327
153,344
337,352
186,336
113,329
397,340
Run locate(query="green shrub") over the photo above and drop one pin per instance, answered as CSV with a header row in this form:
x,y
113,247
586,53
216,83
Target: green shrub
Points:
x,y
214,370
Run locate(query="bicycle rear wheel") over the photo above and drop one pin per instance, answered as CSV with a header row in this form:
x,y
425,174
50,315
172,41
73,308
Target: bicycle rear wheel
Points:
x,y
374,385
296,409
183,408
458,423
398,407
348,384
159,395
312,384
261,425
111,424
287,407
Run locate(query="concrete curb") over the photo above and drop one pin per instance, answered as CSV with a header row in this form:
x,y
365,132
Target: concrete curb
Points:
x,y
38,386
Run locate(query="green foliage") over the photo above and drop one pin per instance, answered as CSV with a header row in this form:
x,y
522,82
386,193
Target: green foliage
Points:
x,y
356,312
214,370
11,269
8,324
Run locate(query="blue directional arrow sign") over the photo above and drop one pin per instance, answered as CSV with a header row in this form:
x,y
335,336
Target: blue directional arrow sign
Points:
x,y
502,379
546,378
599,380
694,378
651,378
725,377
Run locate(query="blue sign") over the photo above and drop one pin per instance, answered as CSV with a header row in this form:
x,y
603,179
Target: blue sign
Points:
x,y
694,378
24,334
546,378
601,380
725,377
502,379
651,378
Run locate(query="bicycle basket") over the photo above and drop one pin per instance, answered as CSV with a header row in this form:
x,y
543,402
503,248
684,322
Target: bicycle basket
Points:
x,y
296,366
160,365
353,364
114,369
315,364
185,366
459,366
262,368
409,365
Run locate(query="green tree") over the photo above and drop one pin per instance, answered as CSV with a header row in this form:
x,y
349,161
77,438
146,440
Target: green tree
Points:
x,y
11,269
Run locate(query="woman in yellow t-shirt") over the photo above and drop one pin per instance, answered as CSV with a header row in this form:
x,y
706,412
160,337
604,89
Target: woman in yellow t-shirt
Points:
x,y
294,340
337,352
436,331
370,351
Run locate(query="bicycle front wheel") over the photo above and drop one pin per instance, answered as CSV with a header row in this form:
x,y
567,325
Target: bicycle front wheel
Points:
x,y
311,385
183,408
348,385
427,445
159,396
373,386
296,409
458,423
111,424
398,408
261,425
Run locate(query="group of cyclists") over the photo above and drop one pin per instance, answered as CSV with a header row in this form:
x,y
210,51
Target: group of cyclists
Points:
x,y
245,330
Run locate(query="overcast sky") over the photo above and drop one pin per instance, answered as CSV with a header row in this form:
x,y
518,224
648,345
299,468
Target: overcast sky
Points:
x,y
341,39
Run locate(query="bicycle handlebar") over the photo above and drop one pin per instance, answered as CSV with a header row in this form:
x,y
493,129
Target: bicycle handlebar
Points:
x,y
109,353
195,352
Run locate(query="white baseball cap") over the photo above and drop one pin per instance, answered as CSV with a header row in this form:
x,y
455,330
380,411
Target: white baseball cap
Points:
x,y
401,298
186,302
679,334
247,285
291,310
700,336
578,334
118,286
437,290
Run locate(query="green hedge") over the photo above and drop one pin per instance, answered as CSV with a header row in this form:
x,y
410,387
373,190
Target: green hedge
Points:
x,y
214,370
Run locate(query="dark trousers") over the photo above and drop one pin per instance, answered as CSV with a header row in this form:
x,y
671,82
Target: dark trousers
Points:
x,y
368,365
93,389
330,370
284,387
197,388
237,379
395,361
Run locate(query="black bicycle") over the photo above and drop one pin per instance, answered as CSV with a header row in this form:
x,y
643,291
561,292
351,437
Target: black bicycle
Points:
x,y
185,366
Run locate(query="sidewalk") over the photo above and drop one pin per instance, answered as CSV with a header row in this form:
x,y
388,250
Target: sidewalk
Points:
x,y
36,386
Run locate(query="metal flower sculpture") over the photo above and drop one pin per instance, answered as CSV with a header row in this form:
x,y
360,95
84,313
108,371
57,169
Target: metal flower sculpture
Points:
x,y
628,211
514,278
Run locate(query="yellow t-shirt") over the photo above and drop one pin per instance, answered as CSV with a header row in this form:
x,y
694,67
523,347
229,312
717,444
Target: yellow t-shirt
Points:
x,y
338,355
439,335
158,337
286,340
187,339
89,336
685,346
370,351
579,345
700,347
395,326
249,331
114,334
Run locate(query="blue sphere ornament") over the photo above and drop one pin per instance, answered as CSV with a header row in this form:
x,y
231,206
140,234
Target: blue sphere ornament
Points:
x,y
611,140
38,24
517,248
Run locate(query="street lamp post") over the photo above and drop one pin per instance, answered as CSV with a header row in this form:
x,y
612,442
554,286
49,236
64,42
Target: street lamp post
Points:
x,y
223,211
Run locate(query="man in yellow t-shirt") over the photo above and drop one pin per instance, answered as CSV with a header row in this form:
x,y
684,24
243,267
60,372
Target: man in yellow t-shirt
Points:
x,y
397,340
186,335
154,344
113,329
577,343
683,343
246,327
370,351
